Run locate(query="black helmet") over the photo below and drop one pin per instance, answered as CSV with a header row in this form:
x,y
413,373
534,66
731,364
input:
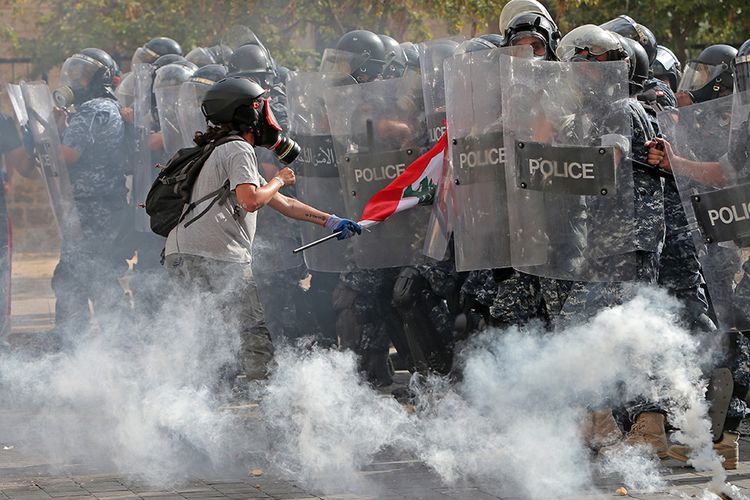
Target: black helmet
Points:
x,y
169,59
474,45
588,42
742,68
174,75
221,53
155,48
85,75
233,100
494,39
412,54
368,54
667,67
395,59
209,74
638,61
201,56
534,25
252,61
627,27
710,75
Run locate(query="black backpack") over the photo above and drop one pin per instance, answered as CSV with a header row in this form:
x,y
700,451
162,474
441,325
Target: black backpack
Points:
x,y
171,190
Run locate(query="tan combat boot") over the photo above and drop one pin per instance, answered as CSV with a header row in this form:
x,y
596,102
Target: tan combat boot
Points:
x,y
648,429
600,429
728,448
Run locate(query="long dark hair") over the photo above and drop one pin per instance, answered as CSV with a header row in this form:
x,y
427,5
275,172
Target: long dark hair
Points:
x,y
212,133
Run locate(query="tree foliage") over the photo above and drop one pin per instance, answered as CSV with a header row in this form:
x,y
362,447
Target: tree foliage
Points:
x,y
297,30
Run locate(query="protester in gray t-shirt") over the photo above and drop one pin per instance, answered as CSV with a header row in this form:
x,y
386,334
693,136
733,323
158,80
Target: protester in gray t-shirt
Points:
x,y
212,254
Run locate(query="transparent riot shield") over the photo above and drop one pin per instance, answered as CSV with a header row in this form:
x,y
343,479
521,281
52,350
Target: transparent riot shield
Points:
x,y
567,131
144,172
167,99
19,106
41,123
432,54
378,130
477,152
190,116
713,176
318,181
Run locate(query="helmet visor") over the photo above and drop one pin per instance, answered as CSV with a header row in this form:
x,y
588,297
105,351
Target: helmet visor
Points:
x,y
586,42
78,71
666,60
340,61
532,38
742,73
697,75
144,55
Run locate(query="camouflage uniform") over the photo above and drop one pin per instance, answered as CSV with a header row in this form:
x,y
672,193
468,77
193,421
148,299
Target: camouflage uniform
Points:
x,y
366,320
504,296
586,299
663,93
89,267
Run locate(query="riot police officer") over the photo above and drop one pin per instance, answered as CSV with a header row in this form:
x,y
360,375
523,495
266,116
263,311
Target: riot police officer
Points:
x,y
93,146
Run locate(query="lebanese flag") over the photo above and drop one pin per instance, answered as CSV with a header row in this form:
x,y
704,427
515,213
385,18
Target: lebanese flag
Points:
x,y
415,186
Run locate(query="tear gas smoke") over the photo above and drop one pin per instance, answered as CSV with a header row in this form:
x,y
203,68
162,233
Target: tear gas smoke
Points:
x,y
146,400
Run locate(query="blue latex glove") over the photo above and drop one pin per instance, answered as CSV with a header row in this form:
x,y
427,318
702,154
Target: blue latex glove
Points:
x,y
347,227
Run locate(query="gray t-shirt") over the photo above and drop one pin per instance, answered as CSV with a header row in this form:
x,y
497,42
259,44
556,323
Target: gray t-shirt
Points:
x,y
226,231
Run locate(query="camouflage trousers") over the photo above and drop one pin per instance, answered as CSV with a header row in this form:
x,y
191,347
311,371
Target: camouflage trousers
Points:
x,y
233,286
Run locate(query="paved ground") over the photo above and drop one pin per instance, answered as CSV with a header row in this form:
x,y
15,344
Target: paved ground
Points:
x,y
25,475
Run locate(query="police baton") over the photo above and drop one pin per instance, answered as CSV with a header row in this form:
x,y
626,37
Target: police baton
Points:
x,y
316,242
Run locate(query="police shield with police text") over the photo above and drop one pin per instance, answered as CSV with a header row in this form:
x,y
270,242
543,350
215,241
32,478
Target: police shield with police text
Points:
x,y
567,136
477,151
317,174
713,177
378,130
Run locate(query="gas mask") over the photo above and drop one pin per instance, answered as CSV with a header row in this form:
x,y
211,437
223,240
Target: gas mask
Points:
x,y
268,134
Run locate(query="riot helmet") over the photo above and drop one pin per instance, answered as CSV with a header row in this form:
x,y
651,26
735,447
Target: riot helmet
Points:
x,y
169,59
174,74
516,7
638,61
239,102
395,59
366,54
221,53
494,39
201,56
591,43
155,48
125,92
627,27
252,61
474,45
282,74
667,67
536,30
86,75
742,68
710,75
209,74
412,55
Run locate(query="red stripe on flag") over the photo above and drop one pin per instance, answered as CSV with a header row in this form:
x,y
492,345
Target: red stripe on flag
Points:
x,y
385,202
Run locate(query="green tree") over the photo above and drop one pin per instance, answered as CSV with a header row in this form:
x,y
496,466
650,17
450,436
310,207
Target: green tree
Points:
x,y
296,31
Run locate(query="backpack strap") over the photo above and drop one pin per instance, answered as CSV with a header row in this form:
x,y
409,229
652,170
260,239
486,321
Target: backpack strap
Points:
x,y
220,194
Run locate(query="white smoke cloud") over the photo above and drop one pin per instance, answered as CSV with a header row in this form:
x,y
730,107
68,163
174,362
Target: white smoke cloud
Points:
x,y
144,401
